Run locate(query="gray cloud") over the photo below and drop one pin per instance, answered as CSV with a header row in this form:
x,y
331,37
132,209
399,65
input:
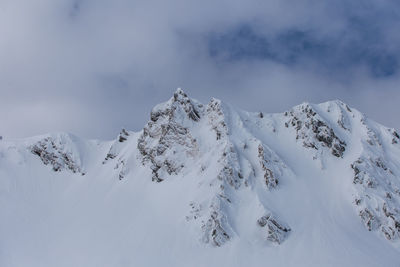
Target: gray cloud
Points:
x,y
91,67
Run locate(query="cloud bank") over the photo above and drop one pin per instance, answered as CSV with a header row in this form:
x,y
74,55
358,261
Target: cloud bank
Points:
x,y
91,67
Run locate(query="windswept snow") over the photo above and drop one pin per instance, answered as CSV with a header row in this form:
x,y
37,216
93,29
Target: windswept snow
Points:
x,y
207,185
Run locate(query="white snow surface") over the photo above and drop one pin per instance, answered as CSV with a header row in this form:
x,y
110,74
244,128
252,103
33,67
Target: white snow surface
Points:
x,y
207,185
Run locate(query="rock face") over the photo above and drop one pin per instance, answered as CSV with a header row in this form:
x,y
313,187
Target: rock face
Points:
x,y
215,228
395,136
269,161
55,151
314,131
167,138
377,184
277,231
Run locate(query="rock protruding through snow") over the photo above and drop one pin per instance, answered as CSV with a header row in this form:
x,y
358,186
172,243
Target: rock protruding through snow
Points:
x,y
378,196
56,151
230,157
376,180
276,230
313,130
166,139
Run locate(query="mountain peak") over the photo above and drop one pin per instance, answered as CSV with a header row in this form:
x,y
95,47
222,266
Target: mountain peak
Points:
x,y
176,107
308,179
179,92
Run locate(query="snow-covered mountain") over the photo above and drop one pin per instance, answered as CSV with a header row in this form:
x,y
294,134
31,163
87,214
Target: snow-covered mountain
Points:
x,y
207,185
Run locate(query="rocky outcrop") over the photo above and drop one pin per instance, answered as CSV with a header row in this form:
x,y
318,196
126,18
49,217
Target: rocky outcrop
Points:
x,y
117,145
166,139
215,227
123,136
313,130
212,220
216,118
55,151
395,136
276,230
378,196
230,170
270,178
180,100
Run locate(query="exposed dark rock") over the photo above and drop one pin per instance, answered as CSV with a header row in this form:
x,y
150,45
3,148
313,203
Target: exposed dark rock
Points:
x,y
314,132
169,139
376,205
52,152
216,118
396,137
214,232
369,219
123,136
277,231
165,136
116,147
180,99
109,156
270,180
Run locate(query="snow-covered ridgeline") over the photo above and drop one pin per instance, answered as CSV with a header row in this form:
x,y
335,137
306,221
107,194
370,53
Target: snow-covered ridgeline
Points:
x,y
229,159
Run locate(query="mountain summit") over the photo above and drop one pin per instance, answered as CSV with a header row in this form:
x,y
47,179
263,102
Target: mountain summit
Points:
x,y
317,185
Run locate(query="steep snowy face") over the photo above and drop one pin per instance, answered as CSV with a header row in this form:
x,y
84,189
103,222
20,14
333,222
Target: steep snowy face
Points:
x,y
119,153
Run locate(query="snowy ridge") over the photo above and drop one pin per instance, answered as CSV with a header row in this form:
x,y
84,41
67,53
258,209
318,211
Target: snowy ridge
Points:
x,y
317,178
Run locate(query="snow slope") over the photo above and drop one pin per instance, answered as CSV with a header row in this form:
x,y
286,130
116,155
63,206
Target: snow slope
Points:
x,y
207,185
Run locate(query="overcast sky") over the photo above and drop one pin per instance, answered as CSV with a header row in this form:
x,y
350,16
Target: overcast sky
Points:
x,y
91,67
